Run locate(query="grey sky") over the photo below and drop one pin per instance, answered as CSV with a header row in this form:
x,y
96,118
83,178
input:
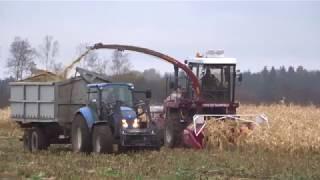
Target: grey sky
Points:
x,y
256,33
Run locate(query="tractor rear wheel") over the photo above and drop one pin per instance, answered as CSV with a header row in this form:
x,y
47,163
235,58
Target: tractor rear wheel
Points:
x,y
102,139
80,135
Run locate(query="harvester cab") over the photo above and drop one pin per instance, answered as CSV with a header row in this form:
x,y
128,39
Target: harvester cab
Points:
x,y
217,76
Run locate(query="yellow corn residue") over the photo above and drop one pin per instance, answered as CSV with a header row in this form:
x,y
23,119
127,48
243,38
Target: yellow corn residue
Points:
x,y
292,128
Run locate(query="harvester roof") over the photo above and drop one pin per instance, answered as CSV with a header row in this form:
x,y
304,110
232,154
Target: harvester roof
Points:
x,y
212,57
212,60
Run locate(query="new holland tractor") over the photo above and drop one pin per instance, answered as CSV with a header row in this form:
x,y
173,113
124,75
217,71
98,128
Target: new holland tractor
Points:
x,y
113,116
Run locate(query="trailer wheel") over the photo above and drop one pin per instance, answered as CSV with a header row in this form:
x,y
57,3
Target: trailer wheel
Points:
x,y
26,140
102,139
80,134
35,140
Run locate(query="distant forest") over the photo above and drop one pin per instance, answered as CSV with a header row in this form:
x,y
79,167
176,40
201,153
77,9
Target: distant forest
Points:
x,y
288,85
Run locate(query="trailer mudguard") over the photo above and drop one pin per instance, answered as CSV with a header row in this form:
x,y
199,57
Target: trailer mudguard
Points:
x,y
89,115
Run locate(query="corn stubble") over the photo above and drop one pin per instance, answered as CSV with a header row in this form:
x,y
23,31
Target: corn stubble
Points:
x,y
289,149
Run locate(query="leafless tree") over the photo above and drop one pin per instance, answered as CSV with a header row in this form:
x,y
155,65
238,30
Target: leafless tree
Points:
x,y
92,61
48,51
21,59
120,63
57,68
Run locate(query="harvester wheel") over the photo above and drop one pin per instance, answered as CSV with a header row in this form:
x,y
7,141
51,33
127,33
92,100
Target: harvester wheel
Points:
x,y
169,136
81,138
35,140
102,139
172,131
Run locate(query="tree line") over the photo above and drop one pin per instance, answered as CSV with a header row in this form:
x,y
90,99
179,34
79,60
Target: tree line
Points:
x,y
25,60
282,85
285,85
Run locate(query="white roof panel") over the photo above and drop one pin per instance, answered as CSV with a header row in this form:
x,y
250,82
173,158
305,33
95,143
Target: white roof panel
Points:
x,y
214,60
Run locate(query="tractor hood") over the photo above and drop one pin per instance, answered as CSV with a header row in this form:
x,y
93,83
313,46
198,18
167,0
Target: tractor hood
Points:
x,y
128,113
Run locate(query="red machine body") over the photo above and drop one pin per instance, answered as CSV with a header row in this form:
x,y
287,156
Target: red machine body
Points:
x,y
184,102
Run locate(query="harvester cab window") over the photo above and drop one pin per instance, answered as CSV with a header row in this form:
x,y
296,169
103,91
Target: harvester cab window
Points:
x,y
216,81
210,79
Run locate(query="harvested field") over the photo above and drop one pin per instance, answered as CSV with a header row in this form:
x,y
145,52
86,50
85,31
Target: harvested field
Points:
x,y
289,149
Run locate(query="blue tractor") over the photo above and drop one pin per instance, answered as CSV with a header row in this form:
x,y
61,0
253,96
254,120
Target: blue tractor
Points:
x,y
113,118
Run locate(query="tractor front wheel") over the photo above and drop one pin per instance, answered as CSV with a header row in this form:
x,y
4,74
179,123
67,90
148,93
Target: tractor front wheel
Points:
x,y
81,138
102,139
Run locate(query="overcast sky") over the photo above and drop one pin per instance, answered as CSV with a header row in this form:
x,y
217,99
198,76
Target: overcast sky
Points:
x,y
256,33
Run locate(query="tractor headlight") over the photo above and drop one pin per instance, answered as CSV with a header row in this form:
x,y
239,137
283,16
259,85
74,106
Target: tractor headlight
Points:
x,y
135,123
124,123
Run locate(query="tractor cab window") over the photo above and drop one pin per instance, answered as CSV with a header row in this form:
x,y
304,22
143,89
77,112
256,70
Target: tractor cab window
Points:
x,y
93,94
117,93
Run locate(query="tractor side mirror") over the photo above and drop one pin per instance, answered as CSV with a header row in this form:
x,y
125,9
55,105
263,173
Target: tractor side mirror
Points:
x,y
148,94
171,85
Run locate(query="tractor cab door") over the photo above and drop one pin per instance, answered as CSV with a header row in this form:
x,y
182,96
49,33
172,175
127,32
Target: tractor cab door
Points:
x,y
93,99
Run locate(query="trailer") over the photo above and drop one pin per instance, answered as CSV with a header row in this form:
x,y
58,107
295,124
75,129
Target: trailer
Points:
x,y
49,113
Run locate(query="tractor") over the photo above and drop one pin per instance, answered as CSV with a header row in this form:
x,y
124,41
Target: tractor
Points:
x,y
113,116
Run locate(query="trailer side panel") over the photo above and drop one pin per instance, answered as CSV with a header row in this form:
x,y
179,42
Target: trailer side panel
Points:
x,y
32,102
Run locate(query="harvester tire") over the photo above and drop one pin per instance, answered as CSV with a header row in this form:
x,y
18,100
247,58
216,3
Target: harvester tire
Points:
x,y
172,131
169,136
102,139
35,140
80,135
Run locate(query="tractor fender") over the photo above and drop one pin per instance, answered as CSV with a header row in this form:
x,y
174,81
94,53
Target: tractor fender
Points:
x,y
89,115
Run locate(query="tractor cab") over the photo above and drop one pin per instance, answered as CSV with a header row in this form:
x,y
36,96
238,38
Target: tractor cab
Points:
x,y
116,105
118,100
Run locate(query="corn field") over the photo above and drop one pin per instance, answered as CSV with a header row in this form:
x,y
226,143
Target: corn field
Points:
x,y
288,149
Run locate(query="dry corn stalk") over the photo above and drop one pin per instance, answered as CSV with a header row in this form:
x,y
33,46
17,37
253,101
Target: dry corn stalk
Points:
x,y
226,134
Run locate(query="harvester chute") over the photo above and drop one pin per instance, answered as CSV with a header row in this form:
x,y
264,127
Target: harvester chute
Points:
x,y
176,63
